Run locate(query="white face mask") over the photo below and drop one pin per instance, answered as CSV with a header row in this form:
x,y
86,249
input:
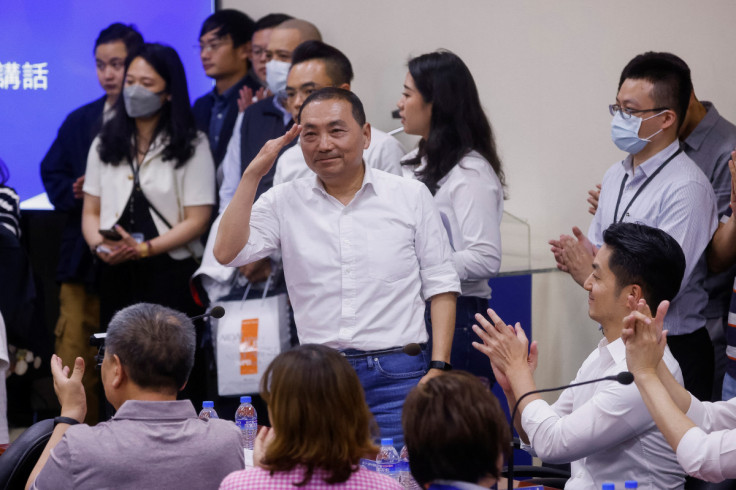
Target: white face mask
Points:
x,y
625,133
276,73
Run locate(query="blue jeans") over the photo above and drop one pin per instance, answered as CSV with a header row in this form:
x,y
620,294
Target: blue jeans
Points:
x,y
386,380
729,387
463,355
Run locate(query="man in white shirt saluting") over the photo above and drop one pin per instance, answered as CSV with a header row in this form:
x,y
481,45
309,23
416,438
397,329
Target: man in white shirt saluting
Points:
x,y
603,429
362,249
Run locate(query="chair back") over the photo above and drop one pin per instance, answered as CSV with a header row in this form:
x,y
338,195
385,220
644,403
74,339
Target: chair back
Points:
x,y
17,462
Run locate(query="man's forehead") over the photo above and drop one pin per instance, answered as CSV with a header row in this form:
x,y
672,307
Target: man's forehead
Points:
x,y
327,112
635,89
308,72
284,39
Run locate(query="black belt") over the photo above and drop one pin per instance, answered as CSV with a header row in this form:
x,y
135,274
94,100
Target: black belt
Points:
x,y
353,353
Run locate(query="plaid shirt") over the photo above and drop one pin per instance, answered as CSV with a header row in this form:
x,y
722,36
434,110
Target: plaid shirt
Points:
x,y
258,478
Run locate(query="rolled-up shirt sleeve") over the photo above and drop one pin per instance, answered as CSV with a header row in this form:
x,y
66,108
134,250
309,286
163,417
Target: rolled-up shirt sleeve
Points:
x,y
708,451
710,457
265,238
608,418
436,268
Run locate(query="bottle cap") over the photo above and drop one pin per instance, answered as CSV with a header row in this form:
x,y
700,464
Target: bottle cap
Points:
x,y
609,486
245,399
387,441
208,404
631,484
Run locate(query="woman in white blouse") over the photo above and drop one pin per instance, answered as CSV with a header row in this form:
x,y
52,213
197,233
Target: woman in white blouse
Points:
x,y
456,159
151,181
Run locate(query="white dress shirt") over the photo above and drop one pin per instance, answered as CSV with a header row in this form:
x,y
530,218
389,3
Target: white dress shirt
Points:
x,y
604,429
357,275
708,451
384,153
470,200
679,201
168,189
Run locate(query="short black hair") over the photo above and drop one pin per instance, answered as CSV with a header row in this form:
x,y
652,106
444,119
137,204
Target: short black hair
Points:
x,y
645,256
337,65
128,34
455,429
155,344
230,22
332,93
670,77
270,21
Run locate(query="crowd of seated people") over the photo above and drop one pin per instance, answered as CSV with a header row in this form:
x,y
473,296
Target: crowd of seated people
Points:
x,y
276,181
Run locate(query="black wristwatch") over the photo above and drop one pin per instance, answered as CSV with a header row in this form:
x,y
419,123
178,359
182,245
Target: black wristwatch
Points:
x,y
65,420
441,365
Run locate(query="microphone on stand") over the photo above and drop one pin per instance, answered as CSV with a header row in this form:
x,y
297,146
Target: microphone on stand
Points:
x,y
624,377
98,339
216,312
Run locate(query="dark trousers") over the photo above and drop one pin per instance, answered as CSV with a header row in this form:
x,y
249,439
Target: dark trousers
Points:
x,y
463,355
694,352
161,280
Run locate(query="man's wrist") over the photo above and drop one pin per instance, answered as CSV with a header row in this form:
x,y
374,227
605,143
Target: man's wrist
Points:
x,y
441,365
62,419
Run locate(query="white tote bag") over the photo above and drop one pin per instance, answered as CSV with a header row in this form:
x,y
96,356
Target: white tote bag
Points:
x,y
248,337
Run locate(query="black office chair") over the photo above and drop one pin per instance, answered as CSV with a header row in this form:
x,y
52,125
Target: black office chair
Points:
x,y
695,484
541,475
18,461
554,476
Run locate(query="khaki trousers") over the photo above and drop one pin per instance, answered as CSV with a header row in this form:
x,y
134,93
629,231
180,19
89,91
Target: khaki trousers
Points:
x,y
79,318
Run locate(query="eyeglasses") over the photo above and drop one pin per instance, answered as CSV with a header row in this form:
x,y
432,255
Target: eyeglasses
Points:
x,y
209,46
100,356
258,51
626,113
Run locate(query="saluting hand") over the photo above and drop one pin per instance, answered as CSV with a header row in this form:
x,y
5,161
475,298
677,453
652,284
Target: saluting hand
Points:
x,y
265,159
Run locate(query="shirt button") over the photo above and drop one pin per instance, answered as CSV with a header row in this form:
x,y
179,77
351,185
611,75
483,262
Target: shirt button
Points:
x,y
219,116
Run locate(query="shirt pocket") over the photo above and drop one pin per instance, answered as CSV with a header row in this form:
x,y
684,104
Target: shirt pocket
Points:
x,y
391,254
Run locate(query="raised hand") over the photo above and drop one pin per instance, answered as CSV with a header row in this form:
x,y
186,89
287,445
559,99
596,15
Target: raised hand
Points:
x,y
577,255
69,389
507,347
644,337
246,97
265,159
593,196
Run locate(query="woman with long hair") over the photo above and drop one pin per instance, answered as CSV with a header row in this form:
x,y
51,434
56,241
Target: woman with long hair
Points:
x,y
321,426
149,188
457,160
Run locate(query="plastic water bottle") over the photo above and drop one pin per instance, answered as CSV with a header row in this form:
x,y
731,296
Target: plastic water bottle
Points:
x,y
388,459
405,478
208,411
609,486
247,421
631,484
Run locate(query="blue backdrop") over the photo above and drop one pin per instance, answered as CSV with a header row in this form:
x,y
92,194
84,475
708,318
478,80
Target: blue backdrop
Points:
x,y
61,34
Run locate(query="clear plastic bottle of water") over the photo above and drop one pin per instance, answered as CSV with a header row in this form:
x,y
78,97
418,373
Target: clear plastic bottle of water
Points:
x,y
631,484
388,459
247,421
208,411
405,478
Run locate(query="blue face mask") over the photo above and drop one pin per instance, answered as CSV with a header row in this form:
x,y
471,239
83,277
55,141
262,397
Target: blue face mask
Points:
x,y
625,133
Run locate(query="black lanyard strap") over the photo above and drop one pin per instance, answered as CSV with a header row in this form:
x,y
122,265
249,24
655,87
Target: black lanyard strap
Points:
x,y
646,183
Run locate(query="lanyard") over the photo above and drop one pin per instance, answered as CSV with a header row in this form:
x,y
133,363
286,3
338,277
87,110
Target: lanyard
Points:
x,y
646,183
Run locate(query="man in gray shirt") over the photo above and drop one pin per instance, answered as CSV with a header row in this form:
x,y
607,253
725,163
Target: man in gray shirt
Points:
x,y
154,440
708,139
